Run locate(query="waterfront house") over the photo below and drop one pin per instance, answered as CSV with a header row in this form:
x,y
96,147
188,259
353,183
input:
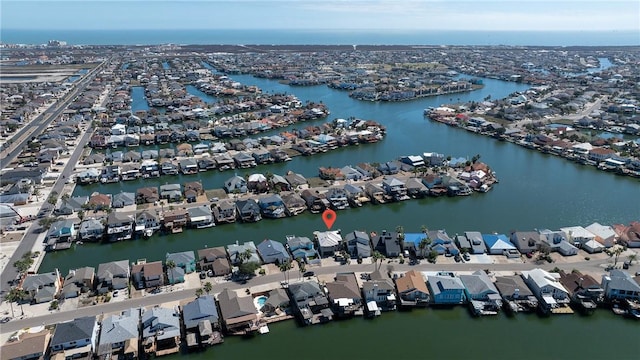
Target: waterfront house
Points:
x,y
276,304
41,288
416,189
200,216
214,259
351,173
279,183
171,192
78,281
130,172
234,251
577,235
224,161
27,345
188,166
146,222
620,285
316,203
113,275
184,259
239,315
395,188
344,295
123,199
605,234
273,252
206,163
192,190
146,275
99,201
95,158
201,321
329,242
71,205
441,242
147,195
376,193
337,197
356,195
160,331
294,204
556,241
516,294
168,168
358,244
236,185
111,173
583,289
175,220
477,245
61,234
387,243
381,290
446,289
119,336
412,289
272,206
628,235
499,244
526,241
297,181
481,292
224,211
301,247
75,339
257,183
547,288
119,226
309,303
262,156
248,210
244,160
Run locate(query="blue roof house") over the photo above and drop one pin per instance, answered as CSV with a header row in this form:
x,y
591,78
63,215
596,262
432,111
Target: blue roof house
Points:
x,y
497,244
273,252
446,289
185,260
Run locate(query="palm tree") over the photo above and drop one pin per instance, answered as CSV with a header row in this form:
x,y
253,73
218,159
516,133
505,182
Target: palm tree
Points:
x,y
633,257
617,250
199,292
285,266
377,259
171,265
36,193
208,287
245,255
424,229
424,243
301,268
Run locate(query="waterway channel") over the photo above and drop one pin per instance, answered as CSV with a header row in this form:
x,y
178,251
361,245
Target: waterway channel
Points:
x,y
535,191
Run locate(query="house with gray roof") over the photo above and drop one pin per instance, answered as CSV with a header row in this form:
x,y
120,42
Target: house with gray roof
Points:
x,y
481,291
201,321
620,285
75,338
387,243
475,241
61,234
309,302
42,287
160,331
301,247
78,281
273,252
120,226
236,184
123,199
344,294
446,288
381,290
234,251
113,275
516,293
526,241
27,346
119,336
71,205
171,192
358,244
184,259
277,302
239,315
200,216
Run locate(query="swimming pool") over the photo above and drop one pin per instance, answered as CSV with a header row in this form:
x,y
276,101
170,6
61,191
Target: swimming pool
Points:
x,y
261,300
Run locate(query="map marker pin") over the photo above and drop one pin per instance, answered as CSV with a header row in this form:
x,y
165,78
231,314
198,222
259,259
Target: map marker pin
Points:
x,y
329,217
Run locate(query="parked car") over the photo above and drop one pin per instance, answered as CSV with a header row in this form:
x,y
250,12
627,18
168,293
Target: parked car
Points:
x,y
116,293
5,320
203,275
308,273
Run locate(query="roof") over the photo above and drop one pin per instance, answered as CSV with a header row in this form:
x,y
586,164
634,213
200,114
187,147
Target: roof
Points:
x,y
160,318
328,238
202,308
75,330
622,280
33,282
108,270
305,290
478,283
497,242
270,251
440,283
412,280
542,278
118,328
603,231
233,306
508,285
344,286
183,257
28,344
149,269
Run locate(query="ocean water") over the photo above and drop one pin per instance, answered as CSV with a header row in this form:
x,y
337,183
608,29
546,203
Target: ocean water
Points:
x,y
322,37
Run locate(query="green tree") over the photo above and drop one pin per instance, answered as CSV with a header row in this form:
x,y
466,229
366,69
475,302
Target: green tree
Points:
x,y
378,258
15,295
424,244
208,287
285,266
633,257
301,268
199,292
65,196
81,214
36,193
171,265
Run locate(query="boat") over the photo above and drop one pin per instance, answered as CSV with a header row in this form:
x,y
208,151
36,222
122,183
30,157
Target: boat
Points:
x,y
618,310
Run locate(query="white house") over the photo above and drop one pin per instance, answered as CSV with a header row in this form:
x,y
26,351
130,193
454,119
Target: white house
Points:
x,y
546,287
577,235
118,129
605,234
329,242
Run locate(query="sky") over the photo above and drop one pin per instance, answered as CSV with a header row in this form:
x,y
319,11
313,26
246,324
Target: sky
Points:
x,y
497,15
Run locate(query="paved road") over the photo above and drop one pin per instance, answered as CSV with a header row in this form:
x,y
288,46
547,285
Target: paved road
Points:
x,y
44,120
61,316
28,241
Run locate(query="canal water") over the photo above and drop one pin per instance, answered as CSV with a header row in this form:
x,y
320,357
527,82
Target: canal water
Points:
x,y
535,191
